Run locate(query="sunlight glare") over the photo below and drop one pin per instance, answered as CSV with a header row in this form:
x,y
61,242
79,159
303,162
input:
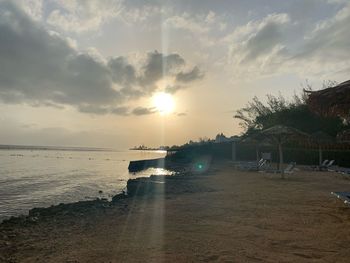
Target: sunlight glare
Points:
x,y
164,102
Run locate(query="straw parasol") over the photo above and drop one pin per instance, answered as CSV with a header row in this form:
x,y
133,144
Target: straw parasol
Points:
x,y
258,140
280,134
334,101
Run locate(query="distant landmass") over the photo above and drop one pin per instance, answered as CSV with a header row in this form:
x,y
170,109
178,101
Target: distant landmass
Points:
x,y
145,148
60,148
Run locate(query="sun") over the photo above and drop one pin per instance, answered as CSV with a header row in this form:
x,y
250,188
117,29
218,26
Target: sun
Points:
x,y
164,103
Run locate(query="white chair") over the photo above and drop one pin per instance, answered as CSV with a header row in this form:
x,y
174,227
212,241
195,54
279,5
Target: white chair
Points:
x,y
290,168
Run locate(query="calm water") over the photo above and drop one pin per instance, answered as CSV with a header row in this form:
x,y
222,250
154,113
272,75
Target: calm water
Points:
x,y
40,178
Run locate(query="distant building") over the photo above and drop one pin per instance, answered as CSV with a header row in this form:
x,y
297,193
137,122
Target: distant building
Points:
x,y
222,138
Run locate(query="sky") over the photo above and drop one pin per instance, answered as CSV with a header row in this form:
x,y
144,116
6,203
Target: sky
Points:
x,y
86,72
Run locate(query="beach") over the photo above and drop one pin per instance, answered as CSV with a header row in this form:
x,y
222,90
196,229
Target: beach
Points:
x,y
222,215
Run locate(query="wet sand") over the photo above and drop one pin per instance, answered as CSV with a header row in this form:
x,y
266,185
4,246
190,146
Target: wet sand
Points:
x,y
221,216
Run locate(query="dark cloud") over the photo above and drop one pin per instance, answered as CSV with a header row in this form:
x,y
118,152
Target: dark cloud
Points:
x,y
264,41
266,36
190,76
158,65
143,111
274,45
181,114
93,109
124,111
40,68
173,89
330,41
123,73
121,111
183,78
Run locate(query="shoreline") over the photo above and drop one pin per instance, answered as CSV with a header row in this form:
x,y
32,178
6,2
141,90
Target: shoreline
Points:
x,y
85,206
100,192
219,215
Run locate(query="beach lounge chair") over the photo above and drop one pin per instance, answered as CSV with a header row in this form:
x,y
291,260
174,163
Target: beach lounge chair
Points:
x,y
251,166
290,168
342,170
262,163
323,164
327,165
345,196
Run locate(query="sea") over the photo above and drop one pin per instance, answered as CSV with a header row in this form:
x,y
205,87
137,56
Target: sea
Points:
x,y
44,176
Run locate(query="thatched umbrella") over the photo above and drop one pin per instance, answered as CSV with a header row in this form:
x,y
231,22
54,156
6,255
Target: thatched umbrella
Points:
x,y
334,101
321,138
280,134
258,140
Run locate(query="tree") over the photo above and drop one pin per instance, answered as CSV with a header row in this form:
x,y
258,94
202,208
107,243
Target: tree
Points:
x,y
277,110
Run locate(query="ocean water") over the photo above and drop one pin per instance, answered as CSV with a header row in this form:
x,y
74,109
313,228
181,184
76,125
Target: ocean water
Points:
x,y
39,178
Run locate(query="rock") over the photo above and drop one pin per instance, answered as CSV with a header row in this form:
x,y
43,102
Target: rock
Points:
x,y
135,166
119,197
142,186
33,218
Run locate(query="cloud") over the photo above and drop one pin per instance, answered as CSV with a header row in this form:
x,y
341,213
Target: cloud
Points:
x,y
34,8
186,22
173,88
264,47
258,39
190,76
122,71
329,39
42,68
158,66
83,15
124,111
143,111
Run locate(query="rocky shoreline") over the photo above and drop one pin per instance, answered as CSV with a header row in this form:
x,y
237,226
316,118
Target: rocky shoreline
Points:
x,y
135,187
155,184
87,212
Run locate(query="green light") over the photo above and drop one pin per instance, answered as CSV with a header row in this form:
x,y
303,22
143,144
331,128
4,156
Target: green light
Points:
x,y
200,166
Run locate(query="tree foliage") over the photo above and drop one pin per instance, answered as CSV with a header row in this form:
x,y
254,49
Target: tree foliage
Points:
x,y
277,110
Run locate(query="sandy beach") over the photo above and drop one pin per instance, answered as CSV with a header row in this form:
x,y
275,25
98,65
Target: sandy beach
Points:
x,y
223,215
